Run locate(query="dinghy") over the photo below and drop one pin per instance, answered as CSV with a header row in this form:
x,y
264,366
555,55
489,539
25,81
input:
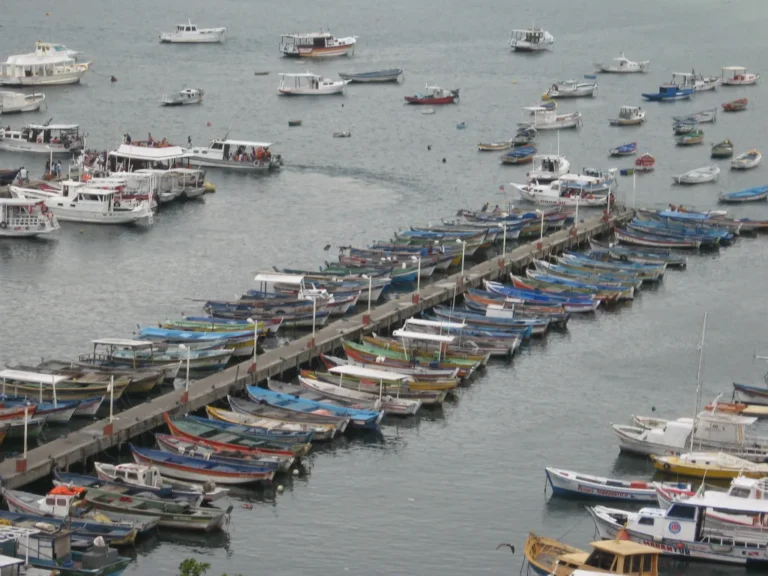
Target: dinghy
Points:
x,y
692,138
521,155
755,194
722,149
624,150
700,117
698,175
390,75
736,105
494,146
747,160
646,163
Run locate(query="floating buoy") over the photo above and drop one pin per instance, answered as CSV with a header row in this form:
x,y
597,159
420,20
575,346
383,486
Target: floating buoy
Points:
x,y
112,79
514,81
208,124
280,489
295,471
429,146
443,160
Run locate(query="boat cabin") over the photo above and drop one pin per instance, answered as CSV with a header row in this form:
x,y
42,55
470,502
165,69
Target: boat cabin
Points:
x,y
109,345
629,112
10,378
612,556
46,546
532,36
296,43
188,27
47,60
60,501
138,475
67,135
235,150
130,157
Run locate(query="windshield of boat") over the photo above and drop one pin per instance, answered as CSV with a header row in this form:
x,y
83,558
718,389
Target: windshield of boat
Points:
x,y
602,560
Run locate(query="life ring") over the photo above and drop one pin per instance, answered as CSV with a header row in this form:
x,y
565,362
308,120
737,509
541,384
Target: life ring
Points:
x,y
667,467
3,225
116,204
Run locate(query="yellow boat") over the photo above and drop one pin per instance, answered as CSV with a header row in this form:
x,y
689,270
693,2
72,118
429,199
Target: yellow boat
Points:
x,y
209,187
548,556
322,431
422,350
714,465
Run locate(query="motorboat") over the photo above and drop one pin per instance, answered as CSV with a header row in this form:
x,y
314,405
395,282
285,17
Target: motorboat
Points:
x,y
738,76
669,93
25,217
623,65
239,155
183,97
747,160
531,39
15,102
571,89
698,175
316,45
628,116
691,137
50,64
722,149
548,167
308,84
554,194
544,119
43,139
590,181
433,95
391,75
190,34
695,82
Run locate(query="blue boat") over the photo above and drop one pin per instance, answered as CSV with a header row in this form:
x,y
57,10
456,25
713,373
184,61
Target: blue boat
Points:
x,y
366,419
595,287
624,150
505,333
521,155
259,433
755,194
86,530
669,92
390,75
540,297
184,336
624,266
695,228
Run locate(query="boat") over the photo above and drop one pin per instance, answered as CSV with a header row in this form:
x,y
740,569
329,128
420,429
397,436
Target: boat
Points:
x,y
701,117
694,81
349,375
590,181
722,149
114,536
571,89
557,194
15,102
294,122
43,139
568,483
736,105
50,64
256,410
190,34
628,116
425,378
319,432
626,254
544,119
738,76
756,194
8,175
316,45
427,111
494,146
187,447
390,75
344,134
698,175
520,155
234,155
622,65
747,160
668,93
525,136
308,84
434,95
548,167
282,436
750,394
691,138
26,217
711,465
645,163
183,97
531,39
389,404
624,150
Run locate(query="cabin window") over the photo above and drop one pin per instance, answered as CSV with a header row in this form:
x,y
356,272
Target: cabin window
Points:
x,y
647,562
740,492
217,146
50,501
630,565
61,501
132,476
319,42
645,521
601,560
679,511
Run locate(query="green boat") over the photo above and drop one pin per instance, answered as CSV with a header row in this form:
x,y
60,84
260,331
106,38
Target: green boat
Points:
x,y
691,138
449,363
16,430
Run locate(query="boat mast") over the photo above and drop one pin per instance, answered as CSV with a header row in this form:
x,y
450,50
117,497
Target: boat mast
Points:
x,y
698,377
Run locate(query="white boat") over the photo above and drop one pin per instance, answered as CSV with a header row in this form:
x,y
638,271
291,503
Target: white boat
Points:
x,y
747,160
548,167
15,102
738,76
183,97
568,483
531,40
190,34
554,194
591,181
239,155
77,202
131,157
316,45
25,217
43,139
173,183
695,82
700,117
683,531
623,65
698,175
544,119
389,404
571,89
50,64
308,84
628,116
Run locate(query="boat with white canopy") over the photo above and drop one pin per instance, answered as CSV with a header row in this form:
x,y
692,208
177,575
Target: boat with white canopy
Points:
x,y
130,157
16,102
531,39
390,404
50,64
25,217
175,182
54,410
308,84
738,76
316,45
238,155
183,97
190,34
43,139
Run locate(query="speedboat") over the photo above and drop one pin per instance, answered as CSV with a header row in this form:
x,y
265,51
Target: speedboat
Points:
x,y
622,65
190,34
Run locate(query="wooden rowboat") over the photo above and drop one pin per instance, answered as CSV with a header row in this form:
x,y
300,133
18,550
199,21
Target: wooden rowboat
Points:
x,y
495,146
568,483
736,105
319,431
542,553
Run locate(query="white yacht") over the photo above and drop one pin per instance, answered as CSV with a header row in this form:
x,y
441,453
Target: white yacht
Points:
x,y
548,167
190,34
240,155
309,84
316,45
15,102
49,64
183,97
531,40
623,65
43,139
25,217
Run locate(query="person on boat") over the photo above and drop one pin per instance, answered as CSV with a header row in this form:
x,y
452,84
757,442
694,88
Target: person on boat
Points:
x,y
128,139
23,176
150,141
164,143
189,140
260,153
496,209
47,166
484,208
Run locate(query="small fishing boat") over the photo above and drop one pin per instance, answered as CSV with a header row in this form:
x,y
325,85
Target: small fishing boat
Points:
x,y
645,163
738,76
183,97
669,93
344,134
624,150
190,34
692,138
701,117
755,194
319,431
544,119
259,410
747,160
698,175
711,465
390,75
316,45
696,82
278,437
628,116
531,39
722,149
15,102
548,167
571,89
308,84
494,146
736,105
114,536
521,155
185,447
434,95
568,483
389,404
461,125
294,122
635,238
622,65
524,136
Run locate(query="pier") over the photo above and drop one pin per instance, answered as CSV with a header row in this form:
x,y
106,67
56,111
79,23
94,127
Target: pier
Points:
x,y
80,445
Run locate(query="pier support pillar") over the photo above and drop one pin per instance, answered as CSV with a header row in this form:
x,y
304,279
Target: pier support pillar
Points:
x,y
502,262
184,397
366,319
109,429
21,465
539,245
311,343
415,298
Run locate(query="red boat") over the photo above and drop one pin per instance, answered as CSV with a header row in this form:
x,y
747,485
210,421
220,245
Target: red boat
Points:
x,y
645,163
434,95
736,105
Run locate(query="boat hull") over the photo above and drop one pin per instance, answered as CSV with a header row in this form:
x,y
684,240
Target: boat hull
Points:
x,y
62,79
430,101
255,166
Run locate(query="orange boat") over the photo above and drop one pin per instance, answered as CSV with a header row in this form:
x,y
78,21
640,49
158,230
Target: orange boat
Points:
x,y
728,407
736,105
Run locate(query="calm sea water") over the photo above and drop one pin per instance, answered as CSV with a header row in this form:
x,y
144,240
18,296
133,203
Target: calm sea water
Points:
x,y
436,494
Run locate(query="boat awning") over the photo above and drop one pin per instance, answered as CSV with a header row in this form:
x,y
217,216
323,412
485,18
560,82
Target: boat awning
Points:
x,y
21,201
274,277
53,126
435,324
722,501
122,343
6,561
32,377
247,143
733,68
422,336
150,154
369,373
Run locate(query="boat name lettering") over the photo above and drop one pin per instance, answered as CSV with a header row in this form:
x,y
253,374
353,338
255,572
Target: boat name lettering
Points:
x,y
611,493
679,549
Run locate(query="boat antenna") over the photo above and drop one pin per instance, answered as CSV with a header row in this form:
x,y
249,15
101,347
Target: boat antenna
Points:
x,y
698,377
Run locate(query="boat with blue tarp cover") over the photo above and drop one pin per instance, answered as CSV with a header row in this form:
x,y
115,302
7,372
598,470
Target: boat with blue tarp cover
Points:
x,y
576,303
669,92
755,194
